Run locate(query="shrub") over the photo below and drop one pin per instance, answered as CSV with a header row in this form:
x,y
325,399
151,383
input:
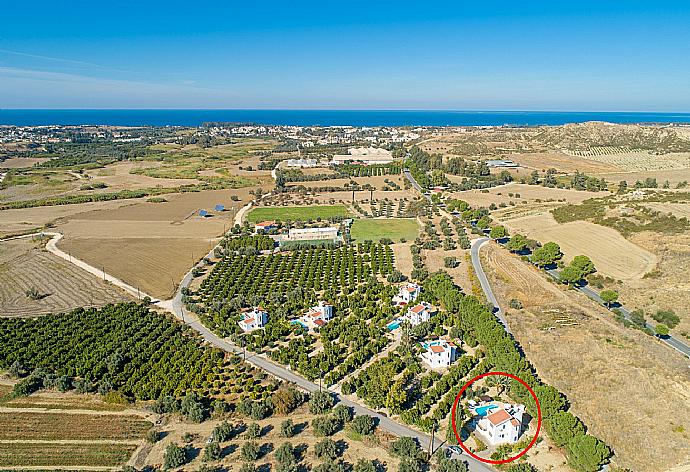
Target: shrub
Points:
x,y
364,465
249,451
285,454
175,456
405,448
587,454
253,431
212,452
286,399
325,426
326,449
342,413
287,429
363,424
320,402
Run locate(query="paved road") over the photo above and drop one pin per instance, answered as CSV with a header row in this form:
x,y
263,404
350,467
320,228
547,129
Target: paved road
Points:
x,y
484,281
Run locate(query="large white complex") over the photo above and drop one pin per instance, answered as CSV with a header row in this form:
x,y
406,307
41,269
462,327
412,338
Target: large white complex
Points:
x,y
439,354
366,155
253,318
312,234
502,426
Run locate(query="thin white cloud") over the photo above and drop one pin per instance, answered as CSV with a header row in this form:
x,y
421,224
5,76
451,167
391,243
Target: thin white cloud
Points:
x,y
49,58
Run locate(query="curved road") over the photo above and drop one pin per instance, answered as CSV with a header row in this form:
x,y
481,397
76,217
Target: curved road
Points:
x,y
484,281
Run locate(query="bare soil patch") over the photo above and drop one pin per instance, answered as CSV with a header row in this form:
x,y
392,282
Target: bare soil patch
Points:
x,y
527,193
21,162
61,286
612,376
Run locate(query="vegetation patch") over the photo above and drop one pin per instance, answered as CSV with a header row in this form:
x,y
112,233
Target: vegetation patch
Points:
x,y
298,213
60,426
395,229
64,455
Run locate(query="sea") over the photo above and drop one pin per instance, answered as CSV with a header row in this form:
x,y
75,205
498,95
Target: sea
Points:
x,y
188,117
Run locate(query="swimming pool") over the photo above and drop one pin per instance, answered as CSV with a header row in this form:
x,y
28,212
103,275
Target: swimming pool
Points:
x,y
483,410
394,325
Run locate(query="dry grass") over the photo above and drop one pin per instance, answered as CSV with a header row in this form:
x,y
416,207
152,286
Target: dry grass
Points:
x,y
24,264
403,257
673,176
46,426
612,254
637,160
613,376
20,162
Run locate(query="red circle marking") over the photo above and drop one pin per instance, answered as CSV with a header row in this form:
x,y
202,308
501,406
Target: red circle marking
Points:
x,y
455,429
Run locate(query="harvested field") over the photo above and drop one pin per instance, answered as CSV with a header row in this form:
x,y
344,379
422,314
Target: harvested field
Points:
x,y
531,193
435,262
377,228
64,455
609,373
613,255
151,245
21,162
153,264
543,161
679,210
70,426
296,213
118,177
673,176
25,264
636,160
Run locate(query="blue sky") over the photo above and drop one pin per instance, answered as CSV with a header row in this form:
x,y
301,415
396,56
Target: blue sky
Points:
x,y
490,55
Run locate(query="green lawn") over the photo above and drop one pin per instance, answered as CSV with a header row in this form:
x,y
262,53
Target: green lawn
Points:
x,y
393,228
295,213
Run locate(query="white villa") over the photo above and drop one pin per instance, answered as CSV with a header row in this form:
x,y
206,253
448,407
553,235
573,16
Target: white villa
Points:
x,y
502,426
420,313
439,353
253,318
408,293
317,316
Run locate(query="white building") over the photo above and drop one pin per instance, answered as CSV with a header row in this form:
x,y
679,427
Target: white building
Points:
x,y
317,316
420,313
503,425
439,354
253,318
501,163
299,163
312,234
408,293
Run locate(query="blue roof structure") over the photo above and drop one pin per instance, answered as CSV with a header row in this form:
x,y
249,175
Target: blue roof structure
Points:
x,y
203,213
219,207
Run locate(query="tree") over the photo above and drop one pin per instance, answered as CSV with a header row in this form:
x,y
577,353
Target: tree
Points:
x,y
324,426
212,452
587,454
286,399
408,465
249,451
285,454
222,432
622,187
547,254
364,465
498,232
253,431
570,275
522,467
406,448
320,402
287,429
449,465
175,456
248,468
562,427
326,449
342,413
396,277
192,408
661,330
517,243
608,297
363,424
584,265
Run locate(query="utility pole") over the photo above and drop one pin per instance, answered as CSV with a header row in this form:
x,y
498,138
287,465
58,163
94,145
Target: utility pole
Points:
x,y
320,379
431,444
103,273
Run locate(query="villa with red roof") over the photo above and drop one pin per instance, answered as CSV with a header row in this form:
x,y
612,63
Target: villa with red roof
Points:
x,y
408,293
317,316
420,313
253,318
503,425
439,354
